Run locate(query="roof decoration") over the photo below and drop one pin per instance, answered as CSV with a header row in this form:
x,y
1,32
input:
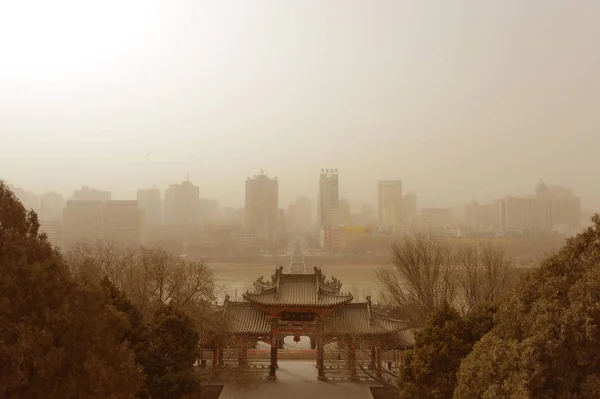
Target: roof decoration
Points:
x,y
298,290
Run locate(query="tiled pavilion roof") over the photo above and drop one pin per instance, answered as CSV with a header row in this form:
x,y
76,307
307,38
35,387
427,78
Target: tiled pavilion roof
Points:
x,y
298,290
246,318
362,320
351,319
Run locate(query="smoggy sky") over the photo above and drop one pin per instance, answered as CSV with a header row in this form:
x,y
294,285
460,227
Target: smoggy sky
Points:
x,y
461,100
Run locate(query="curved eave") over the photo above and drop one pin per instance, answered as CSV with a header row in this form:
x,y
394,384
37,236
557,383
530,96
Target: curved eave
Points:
x,y
388,319
269,298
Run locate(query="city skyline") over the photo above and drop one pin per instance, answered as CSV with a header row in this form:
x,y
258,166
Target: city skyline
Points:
x,y
355,205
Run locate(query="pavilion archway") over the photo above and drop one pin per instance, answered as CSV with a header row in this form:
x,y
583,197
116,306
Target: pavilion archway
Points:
x,y
297,305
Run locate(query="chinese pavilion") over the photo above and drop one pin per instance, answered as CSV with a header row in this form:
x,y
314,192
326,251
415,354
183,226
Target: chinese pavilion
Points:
x,y
307,304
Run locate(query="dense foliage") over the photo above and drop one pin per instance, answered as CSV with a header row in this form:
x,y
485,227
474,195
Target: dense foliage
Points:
x,y
447,337
170,350
67,330
58,338
546,343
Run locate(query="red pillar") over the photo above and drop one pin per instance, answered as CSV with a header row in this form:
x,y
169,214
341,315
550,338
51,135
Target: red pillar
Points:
x,y
221,357
352,359
243,355
277,355
321,359
378,360
273,367
215,358
373,357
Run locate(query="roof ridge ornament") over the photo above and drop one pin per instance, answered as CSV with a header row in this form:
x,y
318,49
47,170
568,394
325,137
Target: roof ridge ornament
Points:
x,y
368,298
225,303
318,285
278,273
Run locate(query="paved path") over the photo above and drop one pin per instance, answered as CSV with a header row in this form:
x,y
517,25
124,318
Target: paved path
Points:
x,y
297,379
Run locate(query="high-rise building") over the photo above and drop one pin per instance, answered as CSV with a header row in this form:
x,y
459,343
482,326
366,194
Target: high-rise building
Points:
x,y
329,203
83,220
182,205
121,222
125,223
389,204
409,208
51,206
525,213
91,194
150,200
262,206
551,208
328,212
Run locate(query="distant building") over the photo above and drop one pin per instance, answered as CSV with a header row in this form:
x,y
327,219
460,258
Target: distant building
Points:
x,y
563,207
367,216
481,217
121,222
83,220
91,194
282,225
150,200
409,208
182,205
232,216
344,212
125,223
328,209
389,204
262,206
436,219
28,199
551,208
53,230
51,206
209,211
300,214
331,239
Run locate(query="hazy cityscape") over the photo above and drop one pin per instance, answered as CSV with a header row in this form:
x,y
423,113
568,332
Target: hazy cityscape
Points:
x,y
274,199
179,218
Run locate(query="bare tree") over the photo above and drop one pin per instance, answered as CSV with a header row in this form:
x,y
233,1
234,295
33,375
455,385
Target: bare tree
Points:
x,y
93,260
419,278
149,276
484,272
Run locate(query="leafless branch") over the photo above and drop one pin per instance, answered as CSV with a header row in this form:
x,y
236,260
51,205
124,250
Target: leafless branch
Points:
x,y
419,278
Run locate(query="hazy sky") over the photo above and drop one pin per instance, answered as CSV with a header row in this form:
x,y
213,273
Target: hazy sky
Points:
x,y
459,99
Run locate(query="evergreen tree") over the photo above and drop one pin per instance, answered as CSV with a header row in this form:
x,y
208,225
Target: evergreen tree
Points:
x,y
546,343
430,368
170,350
132,314
58,338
